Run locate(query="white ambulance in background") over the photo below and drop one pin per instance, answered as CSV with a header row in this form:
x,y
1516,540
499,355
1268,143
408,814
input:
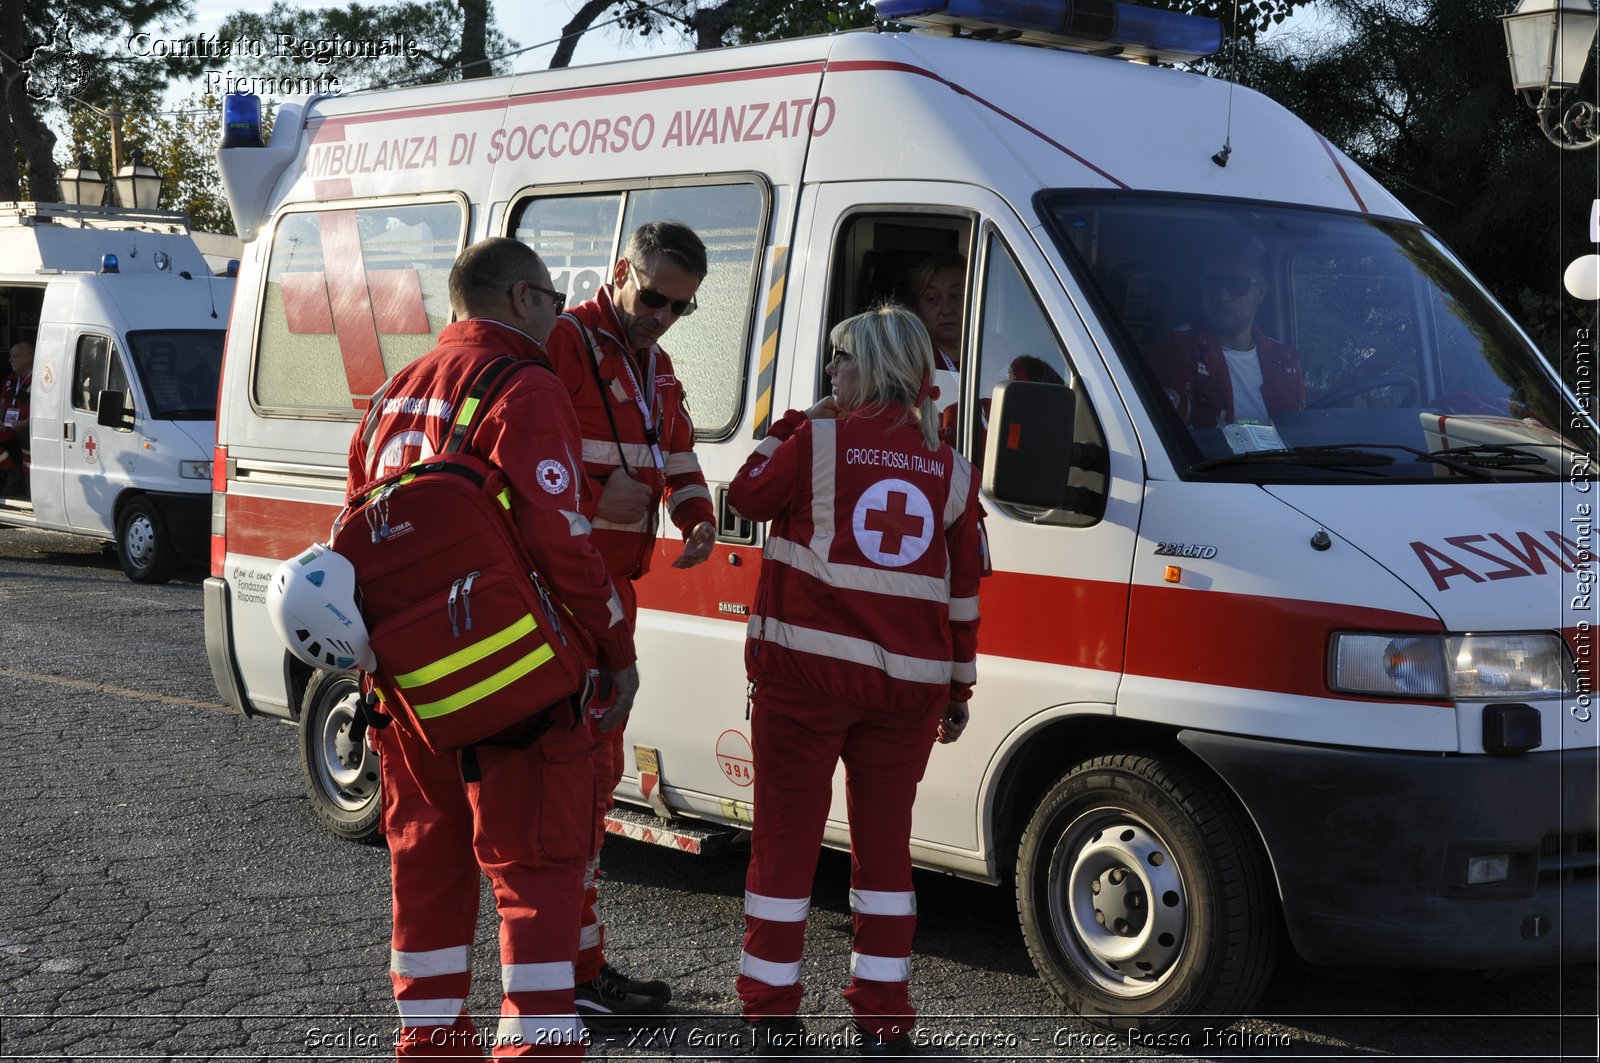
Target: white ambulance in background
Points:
x,y
127,323
1320,688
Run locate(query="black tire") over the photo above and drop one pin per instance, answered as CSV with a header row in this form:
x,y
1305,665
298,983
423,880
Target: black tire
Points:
x,y
1144,897
341,776
145,549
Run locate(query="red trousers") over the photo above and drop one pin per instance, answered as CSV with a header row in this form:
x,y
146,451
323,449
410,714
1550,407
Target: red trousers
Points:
x,y
521,817
798,738
610,759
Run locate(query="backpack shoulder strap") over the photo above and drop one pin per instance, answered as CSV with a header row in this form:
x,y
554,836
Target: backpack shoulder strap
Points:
x,y
481,393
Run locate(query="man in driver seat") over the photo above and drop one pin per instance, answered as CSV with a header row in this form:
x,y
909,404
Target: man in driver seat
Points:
x,y
1229,371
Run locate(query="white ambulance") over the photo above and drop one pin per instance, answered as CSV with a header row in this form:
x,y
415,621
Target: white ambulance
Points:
x,y
1320,684
127,323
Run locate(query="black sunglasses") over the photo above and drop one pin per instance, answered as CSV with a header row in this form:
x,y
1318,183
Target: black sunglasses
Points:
x,y
1236,286
556,297
655,300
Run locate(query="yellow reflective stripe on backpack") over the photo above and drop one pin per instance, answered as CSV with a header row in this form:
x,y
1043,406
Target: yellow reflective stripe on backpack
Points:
x,y
478,691
505,498
472,654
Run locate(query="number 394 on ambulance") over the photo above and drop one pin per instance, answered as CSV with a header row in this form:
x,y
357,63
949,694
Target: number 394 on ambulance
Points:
x,y
1303,670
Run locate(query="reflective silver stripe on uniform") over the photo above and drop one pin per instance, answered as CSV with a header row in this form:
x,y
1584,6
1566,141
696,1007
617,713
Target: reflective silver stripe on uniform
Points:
x,y
964,608
681,462
606,452
856,577
824,447
453,960
539,1029
878,902
767,971
686,494
960,484
577,523
777,909
857,651
536,977
880,968
369,426
768,446
589,937
964,672
601,524
589,873
615,606
442,1011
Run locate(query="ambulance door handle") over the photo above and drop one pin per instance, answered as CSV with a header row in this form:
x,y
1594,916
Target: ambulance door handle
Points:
x,y
732,528
69,431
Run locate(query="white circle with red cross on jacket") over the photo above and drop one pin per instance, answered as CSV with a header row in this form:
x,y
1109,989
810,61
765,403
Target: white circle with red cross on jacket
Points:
x,y
893,523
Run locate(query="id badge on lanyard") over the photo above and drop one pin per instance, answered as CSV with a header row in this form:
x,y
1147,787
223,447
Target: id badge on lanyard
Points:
x,y
649,406
13,416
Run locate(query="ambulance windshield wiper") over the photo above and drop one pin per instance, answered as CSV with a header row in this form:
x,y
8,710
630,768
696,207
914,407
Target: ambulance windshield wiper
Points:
x,y
1496,455
1321,457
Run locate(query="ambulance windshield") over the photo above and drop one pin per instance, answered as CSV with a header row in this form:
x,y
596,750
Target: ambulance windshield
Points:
x,y
1275,344
178,369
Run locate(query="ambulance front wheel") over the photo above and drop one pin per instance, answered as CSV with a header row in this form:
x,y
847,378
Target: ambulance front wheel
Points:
x,y
1144,896
144,542
341,775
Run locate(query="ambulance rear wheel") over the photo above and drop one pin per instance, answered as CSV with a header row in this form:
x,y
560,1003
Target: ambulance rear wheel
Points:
x,y
341,775
1144,897
144,544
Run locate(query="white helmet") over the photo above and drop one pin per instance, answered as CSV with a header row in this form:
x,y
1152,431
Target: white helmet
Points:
x,y
312,603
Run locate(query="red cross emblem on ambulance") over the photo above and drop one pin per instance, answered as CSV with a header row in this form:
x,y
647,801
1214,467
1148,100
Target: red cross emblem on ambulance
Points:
x,y
91,448
893,523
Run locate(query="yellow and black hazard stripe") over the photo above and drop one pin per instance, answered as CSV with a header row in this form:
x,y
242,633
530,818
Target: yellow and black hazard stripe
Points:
x,y
766,375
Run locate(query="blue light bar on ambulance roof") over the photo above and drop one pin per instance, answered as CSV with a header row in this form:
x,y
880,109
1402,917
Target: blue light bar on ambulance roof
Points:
x,y
241,121
1106,27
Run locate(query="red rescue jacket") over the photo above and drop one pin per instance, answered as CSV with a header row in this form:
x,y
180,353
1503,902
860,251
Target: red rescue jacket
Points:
x,y
869,578
531,435
1194,372
645,398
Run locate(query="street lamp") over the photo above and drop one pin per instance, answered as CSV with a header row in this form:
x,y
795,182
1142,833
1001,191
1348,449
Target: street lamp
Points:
x,y
1548,43
138,185
82,186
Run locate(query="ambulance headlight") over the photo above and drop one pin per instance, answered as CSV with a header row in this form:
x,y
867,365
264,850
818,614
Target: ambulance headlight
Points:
x,y
194,470
1450,667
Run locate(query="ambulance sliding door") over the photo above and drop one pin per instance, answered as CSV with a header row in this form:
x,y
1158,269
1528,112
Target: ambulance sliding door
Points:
x,y
1053,614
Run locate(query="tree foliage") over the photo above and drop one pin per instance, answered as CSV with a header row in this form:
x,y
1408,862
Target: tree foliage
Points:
x,y
717,23
1418,92
451,37
66,53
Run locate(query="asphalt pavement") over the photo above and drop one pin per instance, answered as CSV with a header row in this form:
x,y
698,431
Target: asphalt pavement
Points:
x,y
165,893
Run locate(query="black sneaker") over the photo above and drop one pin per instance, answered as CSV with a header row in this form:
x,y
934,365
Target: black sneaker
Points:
x,y
653,987
867,1044
604,1000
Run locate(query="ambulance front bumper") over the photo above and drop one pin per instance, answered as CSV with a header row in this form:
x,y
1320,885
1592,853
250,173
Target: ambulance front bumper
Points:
x,y
1379,856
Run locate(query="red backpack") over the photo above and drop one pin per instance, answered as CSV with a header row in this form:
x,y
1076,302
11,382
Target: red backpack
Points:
x,y
470,643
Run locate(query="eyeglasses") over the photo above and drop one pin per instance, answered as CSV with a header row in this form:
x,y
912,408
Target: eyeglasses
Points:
x,y
842,355
1236,286
655,300
558,298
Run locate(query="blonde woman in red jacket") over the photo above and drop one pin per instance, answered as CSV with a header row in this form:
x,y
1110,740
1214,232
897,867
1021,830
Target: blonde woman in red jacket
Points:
x,y
861,648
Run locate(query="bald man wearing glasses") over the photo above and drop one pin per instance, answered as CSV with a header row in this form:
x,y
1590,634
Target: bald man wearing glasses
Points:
x,y
638,451
1229,371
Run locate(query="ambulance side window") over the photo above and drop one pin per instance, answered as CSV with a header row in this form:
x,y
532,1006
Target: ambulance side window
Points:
x,y
352,295
96,368
580,237
1017,342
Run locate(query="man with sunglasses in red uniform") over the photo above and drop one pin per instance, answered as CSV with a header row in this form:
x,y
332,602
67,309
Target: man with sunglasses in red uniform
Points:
x,y
1229,371
638,451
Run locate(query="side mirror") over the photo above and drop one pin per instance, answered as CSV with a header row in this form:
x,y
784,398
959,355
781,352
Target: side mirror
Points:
x,y
112,409
1028,456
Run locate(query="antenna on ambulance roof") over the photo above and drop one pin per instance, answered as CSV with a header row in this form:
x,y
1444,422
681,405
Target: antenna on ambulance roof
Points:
x,y
1097,27
1221,157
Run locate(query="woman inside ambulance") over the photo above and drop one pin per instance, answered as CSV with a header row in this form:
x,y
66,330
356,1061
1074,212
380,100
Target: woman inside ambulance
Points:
x,y
862,648
938,295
